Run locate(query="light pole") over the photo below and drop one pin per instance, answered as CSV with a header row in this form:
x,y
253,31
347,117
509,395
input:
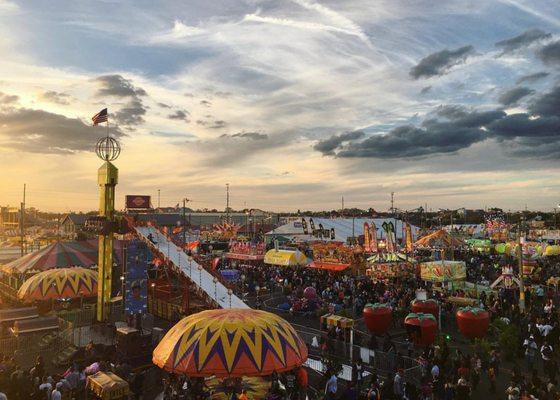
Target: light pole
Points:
x,y
190,266
229,292
215,280
200,276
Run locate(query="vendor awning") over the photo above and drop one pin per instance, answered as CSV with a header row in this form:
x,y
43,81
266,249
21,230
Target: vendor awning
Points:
x,y
285,258
328,266
389,257
245,257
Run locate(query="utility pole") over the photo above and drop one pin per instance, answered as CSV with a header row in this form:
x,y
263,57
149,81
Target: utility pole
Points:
x,y
22,222
392,202
520,260
158,197
227,203
342,209
184,222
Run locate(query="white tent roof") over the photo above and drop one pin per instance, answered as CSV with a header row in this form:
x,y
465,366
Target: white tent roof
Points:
x,y
343,227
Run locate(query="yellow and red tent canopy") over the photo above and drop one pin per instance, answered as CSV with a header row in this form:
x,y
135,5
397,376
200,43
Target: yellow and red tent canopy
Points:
x,y
60,283
230,343
438,239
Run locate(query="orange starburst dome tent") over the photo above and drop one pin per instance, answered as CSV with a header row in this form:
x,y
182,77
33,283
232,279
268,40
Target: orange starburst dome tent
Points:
x,y
60,283
438,239
230,343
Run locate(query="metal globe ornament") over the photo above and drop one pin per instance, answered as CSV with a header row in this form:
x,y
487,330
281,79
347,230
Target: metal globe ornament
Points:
x,y
108,148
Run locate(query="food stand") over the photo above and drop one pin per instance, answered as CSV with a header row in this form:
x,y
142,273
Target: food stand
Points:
x,y
390,266
107,386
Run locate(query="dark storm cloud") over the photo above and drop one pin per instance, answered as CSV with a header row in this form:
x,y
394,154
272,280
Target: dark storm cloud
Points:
x,y
452,128
550,54
132,113
531,78
512,96
8,98
548,104
38,131
118,86
524,125
179,115
409,141
523,40
56,97
328,146
247,135
438,63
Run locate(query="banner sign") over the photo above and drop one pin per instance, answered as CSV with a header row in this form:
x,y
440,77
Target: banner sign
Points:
x,y
408,238
304,226
443,271
373,242
332,252
138,202
367,238
138,256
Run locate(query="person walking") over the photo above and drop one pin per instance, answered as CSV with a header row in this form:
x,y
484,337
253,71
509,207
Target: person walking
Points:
x,y
530,351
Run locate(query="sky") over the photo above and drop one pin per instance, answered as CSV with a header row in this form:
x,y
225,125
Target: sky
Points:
x,y
294,103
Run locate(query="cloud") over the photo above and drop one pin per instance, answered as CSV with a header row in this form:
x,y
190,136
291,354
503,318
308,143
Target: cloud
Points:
x,y
452,128
55,97
440,62
425,90
532,78
512,96
177,34
163,105
38,131
179,115
247,135
522,40
219,124
329,145
118,86
8,98
550,54
132,113
547,105
205,103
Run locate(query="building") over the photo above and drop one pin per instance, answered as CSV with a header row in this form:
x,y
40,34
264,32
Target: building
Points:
x,y
72,224
9,219
344,228
255,219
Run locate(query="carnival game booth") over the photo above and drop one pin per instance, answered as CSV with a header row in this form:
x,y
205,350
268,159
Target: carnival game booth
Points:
x,y
57,255
331,256
230,345
106,386
443,272
391,266
245,251
439,241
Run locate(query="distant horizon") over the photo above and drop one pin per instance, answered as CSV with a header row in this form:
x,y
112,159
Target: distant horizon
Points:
x,y
294,103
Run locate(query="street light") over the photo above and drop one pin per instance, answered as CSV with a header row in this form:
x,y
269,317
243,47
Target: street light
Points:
x,y
200,276
229,292
215,280
190,266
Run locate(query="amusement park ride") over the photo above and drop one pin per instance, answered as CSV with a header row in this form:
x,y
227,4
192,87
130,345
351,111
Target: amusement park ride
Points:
x,y
107,149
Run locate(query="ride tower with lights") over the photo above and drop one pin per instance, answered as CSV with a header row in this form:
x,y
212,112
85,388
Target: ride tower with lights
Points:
x,y
107,149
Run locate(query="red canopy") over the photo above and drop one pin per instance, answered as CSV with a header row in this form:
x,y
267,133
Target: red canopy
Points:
x,y
328,266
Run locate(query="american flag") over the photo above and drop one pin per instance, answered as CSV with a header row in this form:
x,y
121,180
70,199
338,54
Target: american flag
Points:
x,y
101,116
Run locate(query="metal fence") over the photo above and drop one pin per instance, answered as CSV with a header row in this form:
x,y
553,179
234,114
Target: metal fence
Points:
x,y
380,362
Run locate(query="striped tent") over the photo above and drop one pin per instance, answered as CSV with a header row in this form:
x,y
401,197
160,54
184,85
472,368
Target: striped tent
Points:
x,y
59,255
60,283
